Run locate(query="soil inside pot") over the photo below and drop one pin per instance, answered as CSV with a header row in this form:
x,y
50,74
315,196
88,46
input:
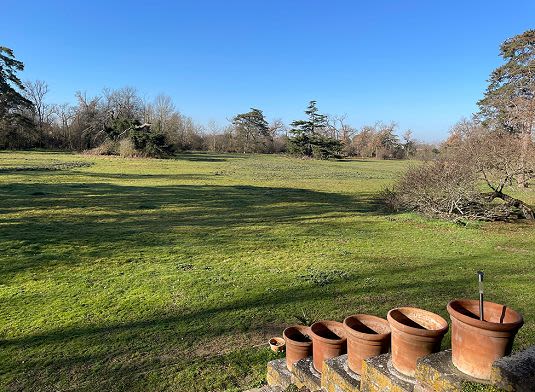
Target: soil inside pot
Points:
x,y
327,333
297,336
493,314
372,328
275,342
415,320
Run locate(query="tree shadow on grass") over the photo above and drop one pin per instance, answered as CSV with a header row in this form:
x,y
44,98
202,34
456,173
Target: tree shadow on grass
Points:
x,y
163,346
127,198
122,355
99,215
117,353
208,157
144,177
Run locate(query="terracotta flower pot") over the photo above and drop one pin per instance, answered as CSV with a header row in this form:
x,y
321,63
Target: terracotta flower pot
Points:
x,y
415,334
298,344
276,344
367,336
328,341
477,344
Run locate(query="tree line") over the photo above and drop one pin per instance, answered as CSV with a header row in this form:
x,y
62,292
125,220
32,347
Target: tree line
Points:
x,y
120,122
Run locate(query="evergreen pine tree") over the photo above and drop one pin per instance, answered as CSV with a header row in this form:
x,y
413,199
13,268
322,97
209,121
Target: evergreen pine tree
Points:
x,y
252,130
309,138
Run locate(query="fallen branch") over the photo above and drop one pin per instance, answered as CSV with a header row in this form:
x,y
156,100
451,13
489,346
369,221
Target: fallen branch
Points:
x,y
525,210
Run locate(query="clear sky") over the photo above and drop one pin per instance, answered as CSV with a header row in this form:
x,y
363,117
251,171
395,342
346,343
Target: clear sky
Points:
x,y
422,64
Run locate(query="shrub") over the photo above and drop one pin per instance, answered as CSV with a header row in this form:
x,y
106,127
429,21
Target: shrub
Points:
x,y
149,143
108,147
435,188
127,149
447,190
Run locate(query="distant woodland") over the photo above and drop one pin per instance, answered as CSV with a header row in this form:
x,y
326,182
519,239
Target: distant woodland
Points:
x,y
121,122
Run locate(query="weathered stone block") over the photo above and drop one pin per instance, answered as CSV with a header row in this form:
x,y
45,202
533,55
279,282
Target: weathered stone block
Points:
x,y
436,372
304,375
515,372
337,377
278,374
378,375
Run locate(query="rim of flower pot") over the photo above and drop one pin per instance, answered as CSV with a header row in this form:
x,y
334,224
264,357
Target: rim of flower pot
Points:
x,y
467,311
333,327
416,321
301,329
367,327
277,342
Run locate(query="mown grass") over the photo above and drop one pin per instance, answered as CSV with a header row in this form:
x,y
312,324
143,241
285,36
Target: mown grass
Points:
x,y
171,274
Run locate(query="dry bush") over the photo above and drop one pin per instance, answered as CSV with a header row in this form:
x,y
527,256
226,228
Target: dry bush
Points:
x,y
124,148
440,188
127,149
452,185
108,147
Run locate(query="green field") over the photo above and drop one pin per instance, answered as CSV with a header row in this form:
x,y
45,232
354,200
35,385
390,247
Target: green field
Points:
x,y
171,274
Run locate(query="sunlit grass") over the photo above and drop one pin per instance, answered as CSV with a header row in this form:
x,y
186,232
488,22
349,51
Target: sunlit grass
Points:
x,y
168,274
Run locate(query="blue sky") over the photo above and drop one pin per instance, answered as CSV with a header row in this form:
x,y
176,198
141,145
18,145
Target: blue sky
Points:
x,y
422,64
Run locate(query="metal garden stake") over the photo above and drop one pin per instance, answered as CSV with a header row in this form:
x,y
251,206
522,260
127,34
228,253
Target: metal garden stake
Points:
x,y
480,280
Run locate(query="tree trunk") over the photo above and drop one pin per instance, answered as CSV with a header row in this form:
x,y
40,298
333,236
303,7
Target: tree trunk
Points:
x,y
526,211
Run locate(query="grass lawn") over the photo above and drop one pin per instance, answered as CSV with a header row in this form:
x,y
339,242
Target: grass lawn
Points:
x,y
172,274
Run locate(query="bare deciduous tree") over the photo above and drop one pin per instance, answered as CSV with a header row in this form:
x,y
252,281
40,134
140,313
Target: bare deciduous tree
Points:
x,y
65,115
36,93
495,157
164,108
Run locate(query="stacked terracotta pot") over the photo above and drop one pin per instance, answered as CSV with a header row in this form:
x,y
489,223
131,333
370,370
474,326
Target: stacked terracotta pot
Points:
x,y
361,336
411,333
367,336
324,339
298,344
415,334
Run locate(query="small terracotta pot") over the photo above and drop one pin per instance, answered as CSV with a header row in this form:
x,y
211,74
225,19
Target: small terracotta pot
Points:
x,y
328,341
415,334
367,336
298,344
476,344
277,344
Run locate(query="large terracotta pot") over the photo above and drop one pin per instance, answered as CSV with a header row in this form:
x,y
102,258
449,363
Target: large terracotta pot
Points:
x,y
298,344
415,334
476,344
328,341
367,336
